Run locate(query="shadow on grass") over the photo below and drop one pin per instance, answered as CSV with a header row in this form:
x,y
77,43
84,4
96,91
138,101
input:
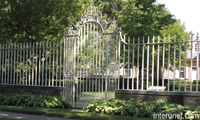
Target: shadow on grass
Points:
x,y
67,113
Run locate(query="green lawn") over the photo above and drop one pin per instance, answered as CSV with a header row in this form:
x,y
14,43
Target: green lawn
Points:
x,y
67,113
6,118
110,94
87,97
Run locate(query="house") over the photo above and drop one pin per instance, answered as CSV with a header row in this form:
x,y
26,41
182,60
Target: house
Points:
x,y
193,56
187,72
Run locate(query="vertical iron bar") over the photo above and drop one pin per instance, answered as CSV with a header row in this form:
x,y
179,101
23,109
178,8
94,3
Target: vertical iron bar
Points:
x,y
128,63
153,63
46,72
84,61
39,64
36,55
89,38
99,69
29,77
191,63
14,59
197,77
17,55
168,63
106,81
174,62
103,68
87,73
158,62
108,74
180,64
89,29
53,64
143,64
138,71
43,59
123,62
133,64
185,63
81,64
96,60
92,59
11,63
74,70
33,64
118,61
63,56
65,79
27,63
163,64
3,56
60,77
77,67
20,75
6,55
24,50
148,65
8,80
49,64
57,63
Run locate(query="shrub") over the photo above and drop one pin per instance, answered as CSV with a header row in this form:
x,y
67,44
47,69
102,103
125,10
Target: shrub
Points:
x,y
137,108
31,100
182,85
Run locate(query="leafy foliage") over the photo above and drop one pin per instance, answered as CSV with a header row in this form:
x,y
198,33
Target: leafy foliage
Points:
x,y
138,109
31,100
141,20
182,85
36,20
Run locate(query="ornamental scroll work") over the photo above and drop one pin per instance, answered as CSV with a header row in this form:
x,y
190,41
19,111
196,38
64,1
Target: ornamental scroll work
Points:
x,y
92,14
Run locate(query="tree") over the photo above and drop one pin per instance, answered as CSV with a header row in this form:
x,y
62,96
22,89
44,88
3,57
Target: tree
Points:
x,y
146,18
143,18
176,32
36,20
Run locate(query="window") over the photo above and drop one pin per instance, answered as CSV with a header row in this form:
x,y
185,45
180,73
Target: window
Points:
x,y
127,73
194,68
182,74
197,47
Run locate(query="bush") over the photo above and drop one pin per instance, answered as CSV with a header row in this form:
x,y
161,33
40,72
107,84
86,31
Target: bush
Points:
x,y
31,100
182,85
137,108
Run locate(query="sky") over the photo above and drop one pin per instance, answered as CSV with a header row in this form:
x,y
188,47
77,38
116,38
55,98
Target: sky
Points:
x,y
188,11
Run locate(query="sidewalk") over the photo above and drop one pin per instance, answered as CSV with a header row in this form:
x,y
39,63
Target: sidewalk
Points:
x,y
29,116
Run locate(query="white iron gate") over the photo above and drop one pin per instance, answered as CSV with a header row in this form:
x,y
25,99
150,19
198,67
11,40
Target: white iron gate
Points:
x,y
91,59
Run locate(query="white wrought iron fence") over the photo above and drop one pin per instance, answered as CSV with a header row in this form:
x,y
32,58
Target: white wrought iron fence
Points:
x,y
35,64
160,63
94,59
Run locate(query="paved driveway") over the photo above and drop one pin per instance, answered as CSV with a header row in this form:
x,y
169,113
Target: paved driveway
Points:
x,y
29,116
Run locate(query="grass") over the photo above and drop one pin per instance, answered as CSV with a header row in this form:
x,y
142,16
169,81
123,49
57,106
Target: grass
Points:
x,y
6,118
66,113
86,97
110,94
